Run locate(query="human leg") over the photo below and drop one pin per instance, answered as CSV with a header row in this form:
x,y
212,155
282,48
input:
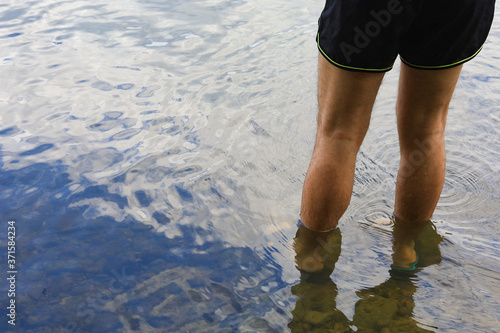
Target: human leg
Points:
x,y
422,107
345,101
404,232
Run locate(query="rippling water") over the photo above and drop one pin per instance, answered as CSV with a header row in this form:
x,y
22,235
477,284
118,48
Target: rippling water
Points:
x,y
152,158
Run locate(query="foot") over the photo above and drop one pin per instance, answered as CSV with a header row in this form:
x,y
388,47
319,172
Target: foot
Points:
x,y
316,251
404,256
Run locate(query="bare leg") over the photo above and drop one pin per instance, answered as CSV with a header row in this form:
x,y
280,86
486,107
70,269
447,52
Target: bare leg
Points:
x,y
404,235
345,103
422,106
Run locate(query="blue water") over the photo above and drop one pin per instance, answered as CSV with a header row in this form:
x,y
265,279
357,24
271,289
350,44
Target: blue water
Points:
x,y
152,155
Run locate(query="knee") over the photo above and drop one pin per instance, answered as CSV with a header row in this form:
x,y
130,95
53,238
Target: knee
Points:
x,y
353,132
351,137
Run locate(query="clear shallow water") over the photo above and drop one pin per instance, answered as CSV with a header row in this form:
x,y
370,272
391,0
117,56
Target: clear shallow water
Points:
x,y
152,156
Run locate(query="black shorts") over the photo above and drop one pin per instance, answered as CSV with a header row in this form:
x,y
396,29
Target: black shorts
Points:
x,y
367,35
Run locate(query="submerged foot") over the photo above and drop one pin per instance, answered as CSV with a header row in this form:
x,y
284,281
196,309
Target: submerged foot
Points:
x,y
316,251
404,256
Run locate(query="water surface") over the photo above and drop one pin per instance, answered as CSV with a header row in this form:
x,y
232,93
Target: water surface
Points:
x,y
153,154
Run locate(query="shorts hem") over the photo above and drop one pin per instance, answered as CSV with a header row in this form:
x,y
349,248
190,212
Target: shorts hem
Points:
x,y
351,68
441,66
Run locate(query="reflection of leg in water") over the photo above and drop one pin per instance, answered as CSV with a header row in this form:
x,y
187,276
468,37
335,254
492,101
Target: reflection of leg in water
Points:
x,y
388,307
316,310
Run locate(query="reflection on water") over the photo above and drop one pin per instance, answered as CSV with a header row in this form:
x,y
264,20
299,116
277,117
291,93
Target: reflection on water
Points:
x,y
152,154
387,307
82,274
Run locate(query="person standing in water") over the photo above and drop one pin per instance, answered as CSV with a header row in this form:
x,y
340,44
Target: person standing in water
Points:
x,y
359,41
